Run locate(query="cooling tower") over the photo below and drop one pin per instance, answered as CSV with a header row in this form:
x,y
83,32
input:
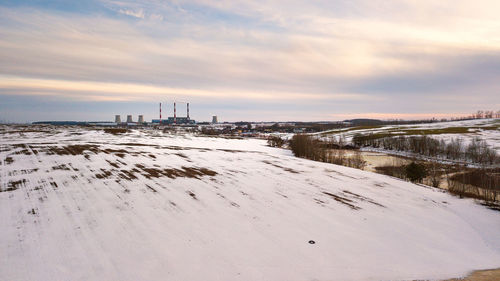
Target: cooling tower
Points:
x,y
118,119
141,119
129,119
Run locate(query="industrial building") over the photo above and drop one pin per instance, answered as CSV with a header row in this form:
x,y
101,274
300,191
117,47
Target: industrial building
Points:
x,y
175,120
130,120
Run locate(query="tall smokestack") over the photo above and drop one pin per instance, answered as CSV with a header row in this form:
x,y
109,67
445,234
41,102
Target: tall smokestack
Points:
x,y
188,111
160,113
175,115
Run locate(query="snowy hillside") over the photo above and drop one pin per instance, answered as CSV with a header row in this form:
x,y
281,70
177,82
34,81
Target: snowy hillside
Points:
x,y
81,204
486,129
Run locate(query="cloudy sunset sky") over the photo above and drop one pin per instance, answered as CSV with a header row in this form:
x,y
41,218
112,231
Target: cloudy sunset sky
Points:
x,y
248,60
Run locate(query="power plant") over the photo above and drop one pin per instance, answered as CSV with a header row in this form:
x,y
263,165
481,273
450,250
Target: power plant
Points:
x,y
172,120
175,120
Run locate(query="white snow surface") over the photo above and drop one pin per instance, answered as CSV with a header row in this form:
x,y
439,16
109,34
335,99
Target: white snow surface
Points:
x,y
83,217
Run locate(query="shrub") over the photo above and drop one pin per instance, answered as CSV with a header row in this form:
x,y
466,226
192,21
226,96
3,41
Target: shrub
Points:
x,y
275,141
415,172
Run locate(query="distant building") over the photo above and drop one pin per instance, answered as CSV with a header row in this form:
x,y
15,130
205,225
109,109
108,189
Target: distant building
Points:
x,y
214,119
178,120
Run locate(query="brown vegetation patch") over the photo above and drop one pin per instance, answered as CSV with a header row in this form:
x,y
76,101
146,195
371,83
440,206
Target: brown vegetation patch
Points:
x,y
182,155
393,171
481,275
137,144
318,201
231,150
118,152
192,194
485,178
187,172
363,198
491,205
290,170
152,189
343,200
61,167
22,172
104,175
113,164
128,175
13,185
116,131
340,174
75,149
9,160
23,151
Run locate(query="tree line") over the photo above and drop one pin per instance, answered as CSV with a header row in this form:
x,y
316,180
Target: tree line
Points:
x,y
476,152
330,151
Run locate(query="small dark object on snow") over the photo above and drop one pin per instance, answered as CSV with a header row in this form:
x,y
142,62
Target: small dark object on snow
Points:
x,y
312,242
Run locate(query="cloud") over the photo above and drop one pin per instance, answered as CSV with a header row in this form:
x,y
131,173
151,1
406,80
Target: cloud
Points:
x,y
101,91
137,14
361,55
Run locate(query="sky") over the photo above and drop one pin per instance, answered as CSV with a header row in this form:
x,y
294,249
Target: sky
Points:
x,y
248,60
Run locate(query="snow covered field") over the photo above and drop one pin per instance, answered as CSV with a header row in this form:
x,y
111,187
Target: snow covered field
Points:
x,y
486,129
81,204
